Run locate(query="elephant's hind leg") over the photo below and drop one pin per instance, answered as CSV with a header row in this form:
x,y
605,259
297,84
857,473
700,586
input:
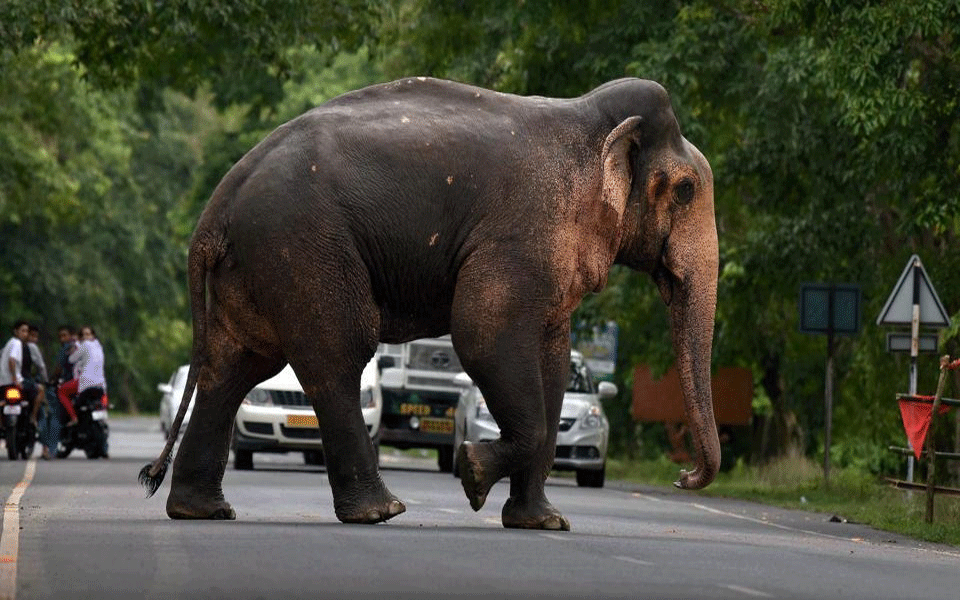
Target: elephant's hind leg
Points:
x,y
196,490
332,382
329,355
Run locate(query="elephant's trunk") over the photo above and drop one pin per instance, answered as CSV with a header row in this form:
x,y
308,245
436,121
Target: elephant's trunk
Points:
x,y
693,307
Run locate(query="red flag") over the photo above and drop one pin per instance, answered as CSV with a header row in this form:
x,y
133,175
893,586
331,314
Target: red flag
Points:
x,y
916,415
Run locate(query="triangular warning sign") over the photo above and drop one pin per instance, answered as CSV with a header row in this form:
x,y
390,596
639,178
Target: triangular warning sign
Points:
x,y
914,287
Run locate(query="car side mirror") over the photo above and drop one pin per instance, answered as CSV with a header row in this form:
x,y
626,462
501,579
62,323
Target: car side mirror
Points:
x,y
386,362
607,390
164,388
462,380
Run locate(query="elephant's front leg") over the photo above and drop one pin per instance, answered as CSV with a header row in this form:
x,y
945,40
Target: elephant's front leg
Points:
x,y
511,378
528,506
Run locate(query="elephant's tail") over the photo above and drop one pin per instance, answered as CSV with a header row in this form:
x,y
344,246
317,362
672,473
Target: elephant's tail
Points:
x,y
205,252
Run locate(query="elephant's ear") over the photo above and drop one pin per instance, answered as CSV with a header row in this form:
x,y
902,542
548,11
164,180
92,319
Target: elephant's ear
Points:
x,y
615,158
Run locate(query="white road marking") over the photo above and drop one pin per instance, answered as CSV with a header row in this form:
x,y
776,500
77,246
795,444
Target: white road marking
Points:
x,y
645,497
635,561
10,537
747,591
762,522
556,536
492,521
451,511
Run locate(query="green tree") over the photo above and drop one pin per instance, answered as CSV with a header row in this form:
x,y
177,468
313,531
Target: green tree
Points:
x,y
237,48
832,129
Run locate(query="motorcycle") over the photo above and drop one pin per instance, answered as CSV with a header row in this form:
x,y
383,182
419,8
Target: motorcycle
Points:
x,y
89,434
19,433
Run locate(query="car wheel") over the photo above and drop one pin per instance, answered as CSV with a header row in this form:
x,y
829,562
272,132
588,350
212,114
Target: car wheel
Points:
x,y
313,457
243,460
445,458
456,445
592,478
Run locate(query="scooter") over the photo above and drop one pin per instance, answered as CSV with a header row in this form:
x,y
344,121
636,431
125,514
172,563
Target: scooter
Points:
x,y
89,434
19,433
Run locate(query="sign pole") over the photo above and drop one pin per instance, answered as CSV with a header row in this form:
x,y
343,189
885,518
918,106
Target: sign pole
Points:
x,y
915,304
914,349
828,393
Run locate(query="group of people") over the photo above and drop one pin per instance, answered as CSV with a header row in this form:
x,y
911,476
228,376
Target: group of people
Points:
x,y
78,375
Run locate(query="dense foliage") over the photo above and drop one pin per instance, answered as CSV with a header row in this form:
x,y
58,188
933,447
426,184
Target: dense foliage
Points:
x,y
833,129
834,135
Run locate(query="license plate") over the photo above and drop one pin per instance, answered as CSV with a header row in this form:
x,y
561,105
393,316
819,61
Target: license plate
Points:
x,y
11,409
436,425
305,421
419,410
99,415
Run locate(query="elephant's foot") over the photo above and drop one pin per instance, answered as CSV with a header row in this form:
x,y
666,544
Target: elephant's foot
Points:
x,y
367,505
538,515
187,506
475,473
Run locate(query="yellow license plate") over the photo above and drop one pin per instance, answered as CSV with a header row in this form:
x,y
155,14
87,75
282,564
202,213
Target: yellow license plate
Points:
x,y
306,421
437,425
420,410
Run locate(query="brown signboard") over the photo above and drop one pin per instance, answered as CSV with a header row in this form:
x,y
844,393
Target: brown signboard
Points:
x,y
660,400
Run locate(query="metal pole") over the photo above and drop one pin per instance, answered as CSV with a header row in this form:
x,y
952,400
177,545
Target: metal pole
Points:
x,y
828,400
828,392
914,349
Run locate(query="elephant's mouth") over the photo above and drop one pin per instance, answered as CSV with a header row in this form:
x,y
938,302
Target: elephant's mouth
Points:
x,y
665,279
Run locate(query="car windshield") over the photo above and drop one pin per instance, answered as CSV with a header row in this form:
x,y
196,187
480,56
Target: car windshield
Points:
x,y
581,380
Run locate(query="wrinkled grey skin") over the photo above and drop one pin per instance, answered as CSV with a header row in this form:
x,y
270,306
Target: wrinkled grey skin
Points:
x,y
423,207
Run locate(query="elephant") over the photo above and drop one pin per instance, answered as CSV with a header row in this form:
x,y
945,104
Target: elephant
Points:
x,y
423,207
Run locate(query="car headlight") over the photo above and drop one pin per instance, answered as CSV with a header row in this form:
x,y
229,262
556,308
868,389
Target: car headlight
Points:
x,y
483,413
258,397
592,419
366,398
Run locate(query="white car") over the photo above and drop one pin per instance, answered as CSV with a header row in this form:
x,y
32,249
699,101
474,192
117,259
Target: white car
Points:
x,y
276,416
170,401
584,430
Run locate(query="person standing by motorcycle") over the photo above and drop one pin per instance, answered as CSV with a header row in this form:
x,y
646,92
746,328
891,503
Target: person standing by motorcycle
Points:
x,y
35,371
45,415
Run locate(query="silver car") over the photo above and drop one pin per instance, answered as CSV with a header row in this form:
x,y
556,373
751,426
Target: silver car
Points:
x,y
584,429
170,401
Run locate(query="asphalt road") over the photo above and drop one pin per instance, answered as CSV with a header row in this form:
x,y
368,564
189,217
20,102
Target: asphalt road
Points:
x,y
82,529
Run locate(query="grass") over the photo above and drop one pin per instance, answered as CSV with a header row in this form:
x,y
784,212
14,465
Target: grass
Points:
x,y
797,483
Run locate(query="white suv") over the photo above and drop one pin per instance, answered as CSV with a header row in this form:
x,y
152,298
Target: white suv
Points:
x,y
276,416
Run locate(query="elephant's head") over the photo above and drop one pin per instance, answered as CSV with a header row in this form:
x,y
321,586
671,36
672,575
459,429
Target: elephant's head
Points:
x,y
663,187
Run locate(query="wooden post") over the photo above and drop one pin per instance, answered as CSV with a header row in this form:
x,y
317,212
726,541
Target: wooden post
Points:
x,y
931,452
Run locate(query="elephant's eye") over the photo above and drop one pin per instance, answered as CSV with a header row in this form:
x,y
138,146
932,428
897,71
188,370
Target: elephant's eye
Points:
x,y
683,192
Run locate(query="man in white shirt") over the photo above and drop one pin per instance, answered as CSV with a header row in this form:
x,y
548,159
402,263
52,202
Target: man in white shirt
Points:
x,y
88,368
11,358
